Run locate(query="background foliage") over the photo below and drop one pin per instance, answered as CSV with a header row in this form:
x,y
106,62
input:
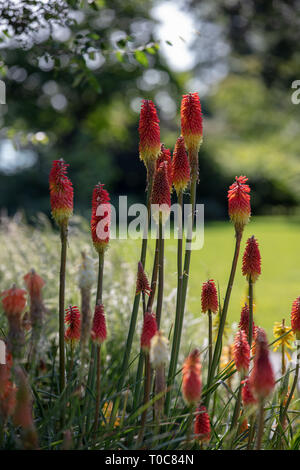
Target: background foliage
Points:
x,y
75,73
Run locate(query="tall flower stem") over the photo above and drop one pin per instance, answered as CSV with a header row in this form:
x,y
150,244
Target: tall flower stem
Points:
x,y
210,341
250,335
138,381
160,291
260,424
98,347
135,309
218,347
62,282
294,385
147,388
237,407
176,340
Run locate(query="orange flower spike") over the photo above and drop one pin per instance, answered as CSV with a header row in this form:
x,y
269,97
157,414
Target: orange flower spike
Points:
x,y
295,317
148,331
251,260
191,378
61,193
149,132
142,284
241,352
209,297
247,395
100,220
165,156
13,301
181,166
161,198
239,208
72,319
262,379
34,284
202,424
192,127
99,333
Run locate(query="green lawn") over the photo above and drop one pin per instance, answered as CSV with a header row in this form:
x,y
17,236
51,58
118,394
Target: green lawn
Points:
x,y
278,285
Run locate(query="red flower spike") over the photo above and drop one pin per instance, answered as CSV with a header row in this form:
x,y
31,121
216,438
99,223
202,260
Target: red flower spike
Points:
x,y
100,220
61,192
209,297
161,198
142,284
261,379
99,333
13,301
241,352
239,208
181,166
191,121
247,395
72,319
165,156
295,317
191,378
202,424
149,132
34,284
148,331
244,321
251,260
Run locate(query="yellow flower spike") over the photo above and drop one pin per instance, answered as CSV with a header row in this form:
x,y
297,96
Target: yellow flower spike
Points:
x,y
280,329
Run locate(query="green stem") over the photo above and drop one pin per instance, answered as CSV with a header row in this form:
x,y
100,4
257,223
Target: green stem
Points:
x,y
147,388
218,347
294,385
62,282
237,406
210,341
134,313
138,380
182,284
160,292
98,348
260,429
250,335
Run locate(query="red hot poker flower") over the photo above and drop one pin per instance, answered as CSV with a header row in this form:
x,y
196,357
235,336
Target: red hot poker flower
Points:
x,y
251,260
241,352
191,378
100,221
181,166
191,121
99,333
149,133
295,317
165,156
209,297
202,424
34,284
262,379
61,193
13,301
73,321
148,331
244,321
239,208
142,284
161,198
247,395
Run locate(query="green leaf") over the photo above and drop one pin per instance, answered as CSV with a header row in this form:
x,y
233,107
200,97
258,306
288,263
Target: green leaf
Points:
x,y
141,57
119,56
